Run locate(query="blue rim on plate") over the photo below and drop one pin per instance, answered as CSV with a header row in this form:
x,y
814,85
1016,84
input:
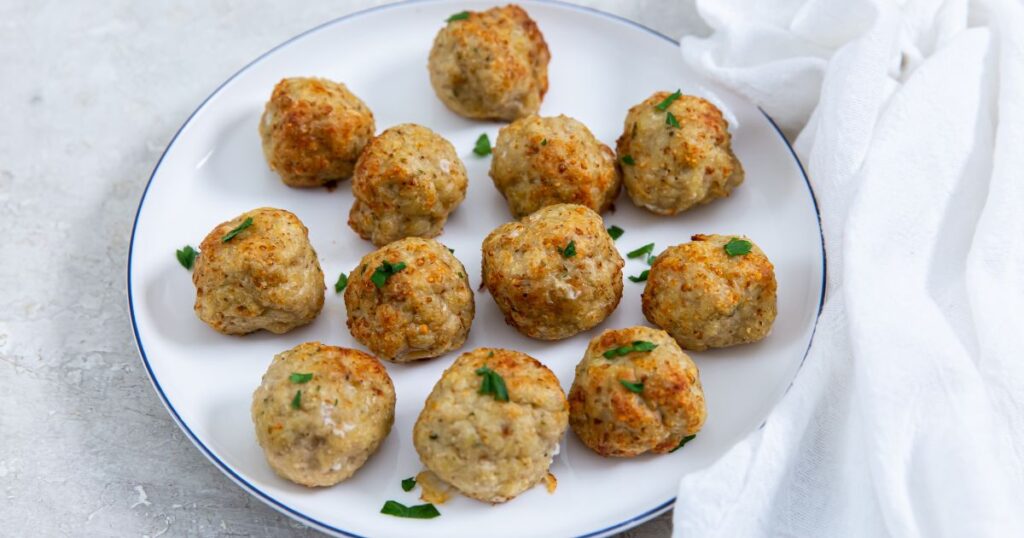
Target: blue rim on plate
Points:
x,y
308,520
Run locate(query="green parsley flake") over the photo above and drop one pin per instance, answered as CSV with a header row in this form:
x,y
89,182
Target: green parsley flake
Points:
x,y
663,106
633,387
493,383
339,286
642,277
615,232
420,511
297,400
737,246
628,159
186,256
238,229
385,271
671,120
483,146
544,142
685,440
569,251
644,250
408,484
460,16
635,346
300,378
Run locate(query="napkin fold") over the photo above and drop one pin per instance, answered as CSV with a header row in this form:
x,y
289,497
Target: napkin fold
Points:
x,y
907,418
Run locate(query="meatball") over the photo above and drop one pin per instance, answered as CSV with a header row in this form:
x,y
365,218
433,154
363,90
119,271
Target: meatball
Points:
x,y
406,183
258,271
706,294
545,161
313,130
635,391
491,64
554,273
492,424
670,167
321,411
409,300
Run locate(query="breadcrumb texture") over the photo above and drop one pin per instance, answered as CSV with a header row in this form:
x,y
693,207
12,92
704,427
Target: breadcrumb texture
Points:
x,y
614,421
677,168
313,130
488,449
706,299
542,292
491,65
422,311
345,411
406,183
545,161
266,277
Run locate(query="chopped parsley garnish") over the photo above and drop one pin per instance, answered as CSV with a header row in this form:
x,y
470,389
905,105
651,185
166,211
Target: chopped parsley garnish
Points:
x,y
737,246
483,146
636,345
492,384
544,142
569,251
646,249
450,249
339,286
628,159
460,16
186,256
408,484
615,232
671,120
297,400
300,378
420,511
385,271
238,229
633,387
685,440
642,277
668,100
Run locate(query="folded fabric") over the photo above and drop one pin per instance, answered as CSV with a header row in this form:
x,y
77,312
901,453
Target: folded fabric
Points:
x,y
907,418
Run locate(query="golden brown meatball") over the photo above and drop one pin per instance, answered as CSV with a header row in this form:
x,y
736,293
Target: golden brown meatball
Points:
x,y
491,64
407,181
635,391
492,444
704,297
321,411
421,310
545,161
668,169
313,130
260,275
554,273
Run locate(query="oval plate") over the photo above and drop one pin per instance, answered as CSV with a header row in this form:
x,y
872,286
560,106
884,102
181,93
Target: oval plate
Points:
x,y
601,65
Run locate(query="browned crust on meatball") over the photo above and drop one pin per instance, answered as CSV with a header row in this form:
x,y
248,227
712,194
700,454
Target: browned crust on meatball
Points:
x,y
706,299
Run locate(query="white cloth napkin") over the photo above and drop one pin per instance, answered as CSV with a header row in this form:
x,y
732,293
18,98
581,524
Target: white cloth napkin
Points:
x,y
907,418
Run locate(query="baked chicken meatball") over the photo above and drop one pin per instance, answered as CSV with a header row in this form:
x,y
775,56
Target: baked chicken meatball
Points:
x,y
491,64
321,411
635,391
554,273
669,169
545,161
313,130
258,271
707,295
407,181
492,424
421,310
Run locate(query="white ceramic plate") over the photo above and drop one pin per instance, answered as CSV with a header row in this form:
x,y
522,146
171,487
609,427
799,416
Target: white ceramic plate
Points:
x,y
601,65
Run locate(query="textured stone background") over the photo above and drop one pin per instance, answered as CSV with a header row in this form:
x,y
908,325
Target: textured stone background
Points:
x,y
90,93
